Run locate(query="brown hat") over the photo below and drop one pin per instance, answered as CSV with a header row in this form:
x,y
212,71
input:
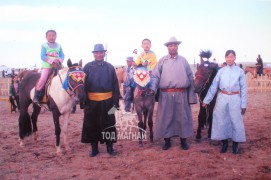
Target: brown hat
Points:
x,y
172,40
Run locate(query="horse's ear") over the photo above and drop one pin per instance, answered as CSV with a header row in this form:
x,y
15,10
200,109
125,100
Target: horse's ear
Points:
x,y
80,63
69,63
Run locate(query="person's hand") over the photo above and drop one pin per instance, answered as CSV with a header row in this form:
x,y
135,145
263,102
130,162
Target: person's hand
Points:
x,y
50,61
13,97
57,61
243,111
204,104
117,107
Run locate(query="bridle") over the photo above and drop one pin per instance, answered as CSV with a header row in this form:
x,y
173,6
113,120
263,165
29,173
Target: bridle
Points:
x,y
204,85
77,75
202,89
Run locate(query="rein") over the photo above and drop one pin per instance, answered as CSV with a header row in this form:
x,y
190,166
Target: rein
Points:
x,y
200,100
204,86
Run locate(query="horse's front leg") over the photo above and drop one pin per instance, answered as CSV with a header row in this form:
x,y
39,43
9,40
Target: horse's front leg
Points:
x,y
201,117
145,114
150,123
65,129
140,125
56,115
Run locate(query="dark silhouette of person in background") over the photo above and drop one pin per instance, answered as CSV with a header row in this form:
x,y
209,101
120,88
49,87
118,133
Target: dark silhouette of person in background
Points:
x,y
259,65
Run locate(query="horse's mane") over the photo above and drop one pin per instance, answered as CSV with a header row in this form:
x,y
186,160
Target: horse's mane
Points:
x,y
63,71
205,54
209,65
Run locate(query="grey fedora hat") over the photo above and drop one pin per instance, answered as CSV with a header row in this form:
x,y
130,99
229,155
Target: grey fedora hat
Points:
x,y
99,48
172,40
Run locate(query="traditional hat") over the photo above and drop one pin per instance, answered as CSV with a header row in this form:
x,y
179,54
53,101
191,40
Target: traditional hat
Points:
x,y
130,58
98,48
172,40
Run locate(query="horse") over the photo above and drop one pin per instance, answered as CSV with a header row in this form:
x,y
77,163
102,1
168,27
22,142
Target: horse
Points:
x,y
23,73
252,70
121,75
144,101
204,77
267,71
64,87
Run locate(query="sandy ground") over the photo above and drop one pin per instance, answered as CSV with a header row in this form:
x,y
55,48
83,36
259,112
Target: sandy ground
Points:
x,y
38,160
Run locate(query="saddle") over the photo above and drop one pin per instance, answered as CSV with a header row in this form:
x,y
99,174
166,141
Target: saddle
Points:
x,y
44,94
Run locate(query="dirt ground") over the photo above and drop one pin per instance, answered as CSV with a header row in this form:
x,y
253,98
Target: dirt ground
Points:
x,y
38,160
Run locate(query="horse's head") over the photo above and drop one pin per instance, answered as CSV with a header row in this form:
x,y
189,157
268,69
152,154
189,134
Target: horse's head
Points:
x,y
142,79
76,79
121,74
205,74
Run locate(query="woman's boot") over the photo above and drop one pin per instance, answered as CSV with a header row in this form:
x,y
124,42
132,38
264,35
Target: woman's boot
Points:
x,y
224,146
235,147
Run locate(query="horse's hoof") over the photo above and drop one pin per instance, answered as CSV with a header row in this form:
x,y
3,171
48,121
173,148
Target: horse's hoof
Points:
x,y
58,150
21,143
198,136
36,136
67,148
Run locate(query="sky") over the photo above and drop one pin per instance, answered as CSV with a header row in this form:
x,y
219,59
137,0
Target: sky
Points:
x,y
121,25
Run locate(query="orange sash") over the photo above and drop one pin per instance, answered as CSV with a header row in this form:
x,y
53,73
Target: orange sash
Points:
x,y
99,96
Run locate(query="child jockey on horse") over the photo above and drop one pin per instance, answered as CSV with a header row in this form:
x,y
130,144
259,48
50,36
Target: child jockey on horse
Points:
x,y
147,58
51,55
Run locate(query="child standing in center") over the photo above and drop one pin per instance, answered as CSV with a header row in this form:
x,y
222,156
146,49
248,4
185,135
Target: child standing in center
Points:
x,y
231,103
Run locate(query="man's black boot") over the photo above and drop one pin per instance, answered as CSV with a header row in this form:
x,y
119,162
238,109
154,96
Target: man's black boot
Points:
x,y
110,150
167,144
224,146
235,147
94,149
184,144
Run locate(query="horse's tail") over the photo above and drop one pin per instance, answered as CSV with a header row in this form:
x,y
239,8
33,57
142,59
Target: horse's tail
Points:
x,y
28,83
25,126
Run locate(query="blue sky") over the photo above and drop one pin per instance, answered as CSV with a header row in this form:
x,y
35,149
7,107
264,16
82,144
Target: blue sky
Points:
x,y
218,25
